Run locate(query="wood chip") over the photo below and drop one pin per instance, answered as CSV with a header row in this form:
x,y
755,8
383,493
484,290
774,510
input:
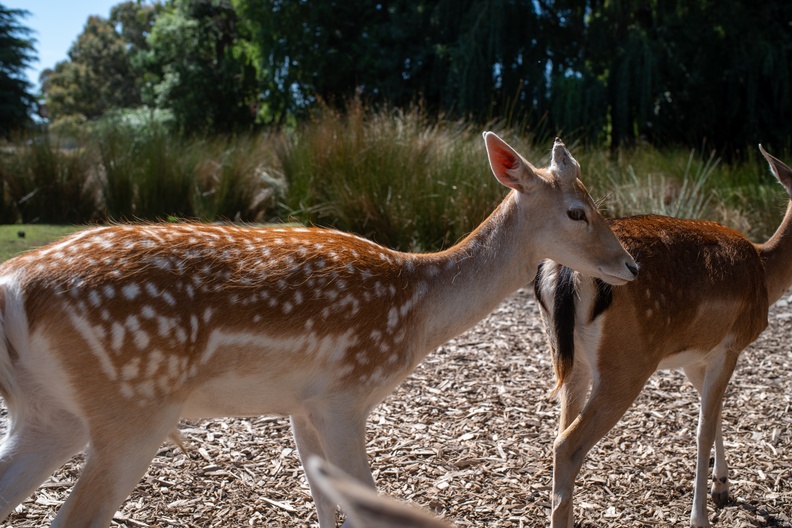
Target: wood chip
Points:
x,y
470,435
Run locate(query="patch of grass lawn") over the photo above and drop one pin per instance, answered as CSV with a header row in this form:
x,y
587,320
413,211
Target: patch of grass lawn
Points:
x,y
35,235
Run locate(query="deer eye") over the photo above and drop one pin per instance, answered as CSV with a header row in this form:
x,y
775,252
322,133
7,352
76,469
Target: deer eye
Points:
x,y
577,214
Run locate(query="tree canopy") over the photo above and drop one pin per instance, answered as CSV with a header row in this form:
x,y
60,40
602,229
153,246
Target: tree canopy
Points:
x,y
610,71
17,52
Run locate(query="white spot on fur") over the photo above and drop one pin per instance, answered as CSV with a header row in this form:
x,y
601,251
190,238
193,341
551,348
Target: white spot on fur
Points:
x,y
118,333
165,325
393,319
193,328
94,345
151,289
131,370
155,360
126,391
130,291
168,298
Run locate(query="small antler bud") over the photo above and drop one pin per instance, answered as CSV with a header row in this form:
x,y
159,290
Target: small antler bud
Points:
x,y
562,162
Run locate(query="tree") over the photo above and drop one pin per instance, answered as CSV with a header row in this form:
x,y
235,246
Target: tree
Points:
x,y
96,78
201,72
469,57
101,72
17,52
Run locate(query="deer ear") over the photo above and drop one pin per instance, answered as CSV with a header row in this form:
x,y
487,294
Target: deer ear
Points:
x,y
508,167
363,506
779,169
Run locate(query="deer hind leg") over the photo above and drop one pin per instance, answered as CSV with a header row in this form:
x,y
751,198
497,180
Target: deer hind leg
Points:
x,y
32,450
720,472
119,452
309,444
609,399
713,379
340,436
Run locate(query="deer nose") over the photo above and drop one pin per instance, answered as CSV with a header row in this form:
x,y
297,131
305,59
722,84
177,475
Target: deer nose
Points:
x,y
633,269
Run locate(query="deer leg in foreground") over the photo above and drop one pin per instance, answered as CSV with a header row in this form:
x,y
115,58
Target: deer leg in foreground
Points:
x,y
32,452
716,378
609,400
720,471
113,466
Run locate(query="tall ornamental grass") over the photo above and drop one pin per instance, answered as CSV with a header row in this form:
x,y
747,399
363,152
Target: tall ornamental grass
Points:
x,y
42,183
687,184
151,174
392,176
396,176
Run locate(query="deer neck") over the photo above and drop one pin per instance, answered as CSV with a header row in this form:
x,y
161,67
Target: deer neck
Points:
x,y
471,278
777,256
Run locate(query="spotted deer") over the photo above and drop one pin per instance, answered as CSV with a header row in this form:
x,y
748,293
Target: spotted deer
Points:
x,y
111,335
363,506
702,297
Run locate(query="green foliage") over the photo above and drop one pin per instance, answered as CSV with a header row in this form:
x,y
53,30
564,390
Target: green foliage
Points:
x,y
47,184
17,53
202,75
392,176
403,178
470,58
151,173
146,175
95,79
236,179
681,72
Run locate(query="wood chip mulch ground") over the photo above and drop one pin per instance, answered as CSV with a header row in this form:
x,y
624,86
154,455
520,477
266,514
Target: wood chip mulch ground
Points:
x,y
469,435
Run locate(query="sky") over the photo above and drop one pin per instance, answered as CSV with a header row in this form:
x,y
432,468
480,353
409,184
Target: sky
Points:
x,y
56,24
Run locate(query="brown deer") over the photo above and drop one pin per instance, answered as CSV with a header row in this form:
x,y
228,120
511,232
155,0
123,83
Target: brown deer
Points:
x,y
702,297
111,335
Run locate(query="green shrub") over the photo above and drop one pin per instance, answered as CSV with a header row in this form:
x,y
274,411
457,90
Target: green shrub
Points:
x,y
43,183
391,176
236,179
399,177
145,172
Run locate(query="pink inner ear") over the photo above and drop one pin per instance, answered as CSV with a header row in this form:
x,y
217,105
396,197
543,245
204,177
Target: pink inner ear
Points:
x,y
504,159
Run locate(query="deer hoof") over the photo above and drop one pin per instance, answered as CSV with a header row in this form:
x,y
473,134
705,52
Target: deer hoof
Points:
x,y
720,498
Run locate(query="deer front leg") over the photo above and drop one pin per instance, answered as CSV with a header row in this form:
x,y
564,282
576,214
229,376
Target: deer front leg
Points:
x,y
32,451
608,401
573,395
118,455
